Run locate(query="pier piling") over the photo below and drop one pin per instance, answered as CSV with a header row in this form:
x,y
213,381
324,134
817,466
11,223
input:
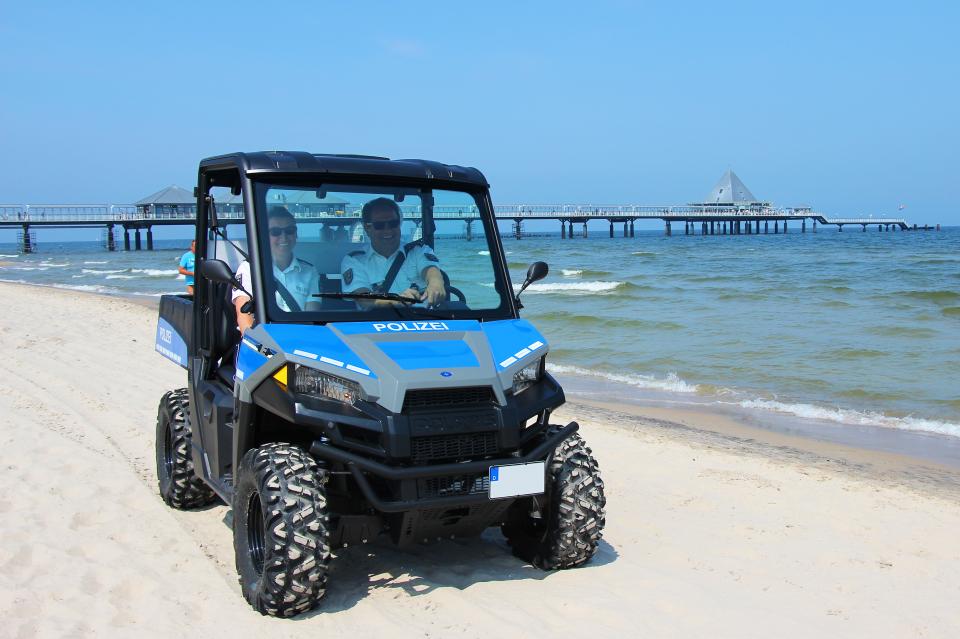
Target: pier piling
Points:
x,y
149,238
111,241
136,238
26,245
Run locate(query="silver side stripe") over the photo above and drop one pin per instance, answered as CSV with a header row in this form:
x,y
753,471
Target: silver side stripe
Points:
x,y
523,352
328,360
357,369
305,354
252,345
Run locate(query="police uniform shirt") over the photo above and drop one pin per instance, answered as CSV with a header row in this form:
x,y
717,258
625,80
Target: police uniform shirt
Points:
x,y
367,268
300,278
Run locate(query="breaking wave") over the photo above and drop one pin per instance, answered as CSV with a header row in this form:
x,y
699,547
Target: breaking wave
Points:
x,y
575,288
855,417
156,272
670,383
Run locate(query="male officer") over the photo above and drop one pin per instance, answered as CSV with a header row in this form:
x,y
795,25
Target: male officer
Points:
x,y
296,280
418,277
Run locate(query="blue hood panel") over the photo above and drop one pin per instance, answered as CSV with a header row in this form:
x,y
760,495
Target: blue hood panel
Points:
x,y
433,354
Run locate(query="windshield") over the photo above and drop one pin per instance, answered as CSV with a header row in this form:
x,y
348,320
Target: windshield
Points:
x,y
335,252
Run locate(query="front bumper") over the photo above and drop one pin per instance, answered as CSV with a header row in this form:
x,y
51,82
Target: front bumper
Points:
x,y
359,465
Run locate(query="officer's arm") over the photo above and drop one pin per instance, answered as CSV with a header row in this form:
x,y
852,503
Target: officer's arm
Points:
x,y
239,298
429,265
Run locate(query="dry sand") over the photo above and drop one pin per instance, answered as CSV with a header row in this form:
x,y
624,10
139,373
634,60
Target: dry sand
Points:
x,y
713,530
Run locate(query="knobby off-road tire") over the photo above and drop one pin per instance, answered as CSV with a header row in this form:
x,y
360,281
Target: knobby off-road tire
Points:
x,y
281,530
568,533
179,485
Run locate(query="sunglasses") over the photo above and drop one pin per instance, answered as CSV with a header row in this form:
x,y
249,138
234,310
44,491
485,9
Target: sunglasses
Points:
x,y
277,231
390,224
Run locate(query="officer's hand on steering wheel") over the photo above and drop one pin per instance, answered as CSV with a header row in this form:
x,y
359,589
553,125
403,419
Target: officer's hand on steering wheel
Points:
x,y
434,293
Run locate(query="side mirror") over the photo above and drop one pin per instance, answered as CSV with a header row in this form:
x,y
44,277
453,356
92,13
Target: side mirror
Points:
x,y
537,271
216,270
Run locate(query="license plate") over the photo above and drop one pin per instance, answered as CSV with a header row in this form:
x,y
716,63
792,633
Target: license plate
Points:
x,y
516,480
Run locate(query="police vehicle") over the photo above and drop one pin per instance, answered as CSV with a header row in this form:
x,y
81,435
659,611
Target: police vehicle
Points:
x,y
344,416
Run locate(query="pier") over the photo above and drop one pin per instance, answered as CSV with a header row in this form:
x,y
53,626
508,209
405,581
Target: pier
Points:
x,y
173,206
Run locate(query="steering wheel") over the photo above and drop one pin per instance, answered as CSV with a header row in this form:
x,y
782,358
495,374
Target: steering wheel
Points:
x,y
453,291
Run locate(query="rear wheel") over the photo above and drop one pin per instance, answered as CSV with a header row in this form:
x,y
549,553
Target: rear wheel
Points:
x,y
280,530
561,529
179,485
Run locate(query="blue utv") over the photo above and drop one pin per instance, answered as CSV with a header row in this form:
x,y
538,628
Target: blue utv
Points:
x,y
344,414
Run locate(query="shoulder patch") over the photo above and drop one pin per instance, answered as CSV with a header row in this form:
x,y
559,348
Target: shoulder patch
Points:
x,y
411,245
430,257
348,276
356,253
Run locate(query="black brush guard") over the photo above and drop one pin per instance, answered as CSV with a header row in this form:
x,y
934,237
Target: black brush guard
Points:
x,y
358,465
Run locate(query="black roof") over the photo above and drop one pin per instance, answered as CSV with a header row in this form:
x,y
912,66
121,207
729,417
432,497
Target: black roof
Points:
x,y
299,162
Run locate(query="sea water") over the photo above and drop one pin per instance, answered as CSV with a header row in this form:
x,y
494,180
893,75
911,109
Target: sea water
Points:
x,y
838,331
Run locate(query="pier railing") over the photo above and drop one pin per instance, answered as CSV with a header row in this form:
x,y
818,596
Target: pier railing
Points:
x,y
12,214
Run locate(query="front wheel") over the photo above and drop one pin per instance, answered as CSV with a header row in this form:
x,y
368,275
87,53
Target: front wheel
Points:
x,y
562,528
280,530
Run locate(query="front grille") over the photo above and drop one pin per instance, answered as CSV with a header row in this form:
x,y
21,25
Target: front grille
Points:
x,y
444,397
455,485
452,448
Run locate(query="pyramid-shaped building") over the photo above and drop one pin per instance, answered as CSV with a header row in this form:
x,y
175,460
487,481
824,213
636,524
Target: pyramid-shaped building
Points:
x,y
731,191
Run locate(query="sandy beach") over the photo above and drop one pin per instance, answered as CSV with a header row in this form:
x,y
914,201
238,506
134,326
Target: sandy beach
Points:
x,y
713,528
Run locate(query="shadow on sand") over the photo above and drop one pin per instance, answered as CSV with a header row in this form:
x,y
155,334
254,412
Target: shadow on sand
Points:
x,y
357,572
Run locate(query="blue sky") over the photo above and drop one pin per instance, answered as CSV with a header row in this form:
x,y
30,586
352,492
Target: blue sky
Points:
x,y
851,108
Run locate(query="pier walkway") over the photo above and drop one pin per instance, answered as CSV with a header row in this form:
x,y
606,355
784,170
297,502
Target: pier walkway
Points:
x,y
697,219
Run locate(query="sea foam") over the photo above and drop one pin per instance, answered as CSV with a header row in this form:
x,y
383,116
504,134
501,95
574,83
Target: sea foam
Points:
x,y
576,288
854,417
670,383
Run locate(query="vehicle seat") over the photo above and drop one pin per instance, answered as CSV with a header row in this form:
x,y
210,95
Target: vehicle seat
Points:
x,y
226,337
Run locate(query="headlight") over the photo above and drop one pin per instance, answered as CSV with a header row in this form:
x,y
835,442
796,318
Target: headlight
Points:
x,y
310,381
527,376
